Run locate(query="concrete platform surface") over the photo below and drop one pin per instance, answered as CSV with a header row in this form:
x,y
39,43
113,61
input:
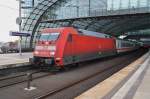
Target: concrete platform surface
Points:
x,y
132,82
129,89
143,91
8,60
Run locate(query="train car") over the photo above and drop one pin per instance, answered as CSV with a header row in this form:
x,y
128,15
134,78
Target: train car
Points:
x,y
125,45
146,42
67,45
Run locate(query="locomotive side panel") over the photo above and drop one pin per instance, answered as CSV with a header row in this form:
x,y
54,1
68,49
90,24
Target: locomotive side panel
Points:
x,y
64,48
83,48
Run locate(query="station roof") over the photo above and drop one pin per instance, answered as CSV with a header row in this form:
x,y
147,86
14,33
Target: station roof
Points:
x,y
138,37
114,24
110,23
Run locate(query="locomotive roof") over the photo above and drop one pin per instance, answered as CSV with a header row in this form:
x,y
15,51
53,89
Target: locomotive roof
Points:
x,y
51,30
80,31
95,34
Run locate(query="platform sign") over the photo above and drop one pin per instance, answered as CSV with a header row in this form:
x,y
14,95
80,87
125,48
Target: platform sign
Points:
x,y
20,34
12,33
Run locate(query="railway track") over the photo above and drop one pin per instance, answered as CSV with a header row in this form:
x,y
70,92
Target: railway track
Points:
x,y
90,73
20,78
104,74
105,71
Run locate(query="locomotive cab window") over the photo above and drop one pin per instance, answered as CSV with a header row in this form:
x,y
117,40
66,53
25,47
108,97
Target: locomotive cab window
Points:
x,y
49,36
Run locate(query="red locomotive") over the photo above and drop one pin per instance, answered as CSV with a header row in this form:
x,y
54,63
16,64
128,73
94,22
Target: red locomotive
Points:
x,y
67,45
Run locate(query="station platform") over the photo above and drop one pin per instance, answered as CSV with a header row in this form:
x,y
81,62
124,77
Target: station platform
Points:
x,y
131,82
14,59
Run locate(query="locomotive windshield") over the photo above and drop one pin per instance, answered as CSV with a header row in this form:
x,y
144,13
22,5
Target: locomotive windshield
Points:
x,y
49,36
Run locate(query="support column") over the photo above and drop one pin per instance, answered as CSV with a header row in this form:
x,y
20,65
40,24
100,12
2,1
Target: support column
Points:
x,y
20,39
148,5
33,3
120,4
89,7
112,4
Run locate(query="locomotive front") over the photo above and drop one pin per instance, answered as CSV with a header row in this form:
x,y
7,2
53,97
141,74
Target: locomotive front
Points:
x,y
45,48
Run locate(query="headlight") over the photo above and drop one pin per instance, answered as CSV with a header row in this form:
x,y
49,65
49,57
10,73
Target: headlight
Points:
x,y
52,53
36,52
53,48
